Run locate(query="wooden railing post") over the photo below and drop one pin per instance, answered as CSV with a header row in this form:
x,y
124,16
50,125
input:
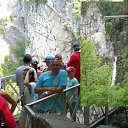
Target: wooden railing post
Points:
x,y
86,116
63,110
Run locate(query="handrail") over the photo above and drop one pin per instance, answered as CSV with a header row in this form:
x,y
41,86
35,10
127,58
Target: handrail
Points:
x,y
50,96
7,77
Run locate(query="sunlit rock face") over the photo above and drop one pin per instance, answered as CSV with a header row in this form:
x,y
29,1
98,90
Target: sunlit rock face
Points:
x,y
51,27
93,27
11,26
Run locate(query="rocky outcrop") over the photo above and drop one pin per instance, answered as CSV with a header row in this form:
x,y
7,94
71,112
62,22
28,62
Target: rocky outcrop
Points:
x,y
51,27
93,27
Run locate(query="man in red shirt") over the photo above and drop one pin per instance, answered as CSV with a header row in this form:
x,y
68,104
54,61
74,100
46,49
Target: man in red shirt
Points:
x,y
6,115
74,61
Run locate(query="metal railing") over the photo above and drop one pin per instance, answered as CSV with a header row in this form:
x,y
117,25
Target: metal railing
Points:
x,y
88,116
9,84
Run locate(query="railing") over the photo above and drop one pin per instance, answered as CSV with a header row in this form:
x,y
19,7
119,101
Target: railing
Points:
x,y
9,84
88,116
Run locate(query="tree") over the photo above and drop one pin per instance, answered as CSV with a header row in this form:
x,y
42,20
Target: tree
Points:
x,y
95,77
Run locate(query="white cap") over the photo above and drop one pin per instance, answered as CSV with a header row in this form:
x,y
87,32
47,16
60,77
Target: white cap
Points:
x,y
34,60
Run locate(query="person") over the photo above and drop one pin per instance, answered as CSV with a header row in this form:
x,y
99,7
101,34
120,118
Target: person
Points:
x,y
9,99
59,57
29,94
74,61
6,115
30,84
47,60
34,64
19,72
72,96
20,82
50,82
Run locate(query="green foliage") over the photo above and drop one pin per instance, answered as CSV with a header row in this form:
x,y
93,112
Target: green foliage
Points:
x,y
3,21
78,31
13,27
9,66
120,96
108,8
120,118
114,27
126,2
96,87
76,8
37,2
1,30
19,50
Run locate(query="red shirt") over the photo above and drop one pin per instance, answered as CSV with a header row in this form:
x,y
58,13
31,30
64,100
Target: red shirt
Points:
x,y
6,114
74,61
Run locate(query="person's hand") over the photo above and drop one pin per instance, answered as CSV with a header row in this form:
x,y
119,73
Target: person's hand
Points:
x,y
53,89
42,95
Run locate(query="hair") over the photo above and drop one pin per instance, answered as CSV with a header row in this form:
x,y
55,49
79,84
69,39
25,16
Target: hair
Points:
x,y
27,58
59,56
35,66
31,79
55,60
76,49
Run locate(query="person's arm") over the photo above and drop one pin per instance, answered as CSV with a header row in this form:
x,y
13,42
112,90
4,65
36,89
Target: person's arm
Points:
x,y
26,81
73,96
75,92
8,97
71,61
7,116
51,90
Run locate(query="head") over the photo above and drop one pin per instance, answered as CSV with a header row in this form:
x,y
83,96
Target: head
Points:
x,y
76,47
55,66
71,72
58,57
27,59
48,59
34,63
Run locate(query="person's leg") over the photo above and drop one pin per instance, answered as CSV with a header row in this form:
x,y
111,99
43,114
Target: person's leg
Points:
x,y
73,111
22,119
